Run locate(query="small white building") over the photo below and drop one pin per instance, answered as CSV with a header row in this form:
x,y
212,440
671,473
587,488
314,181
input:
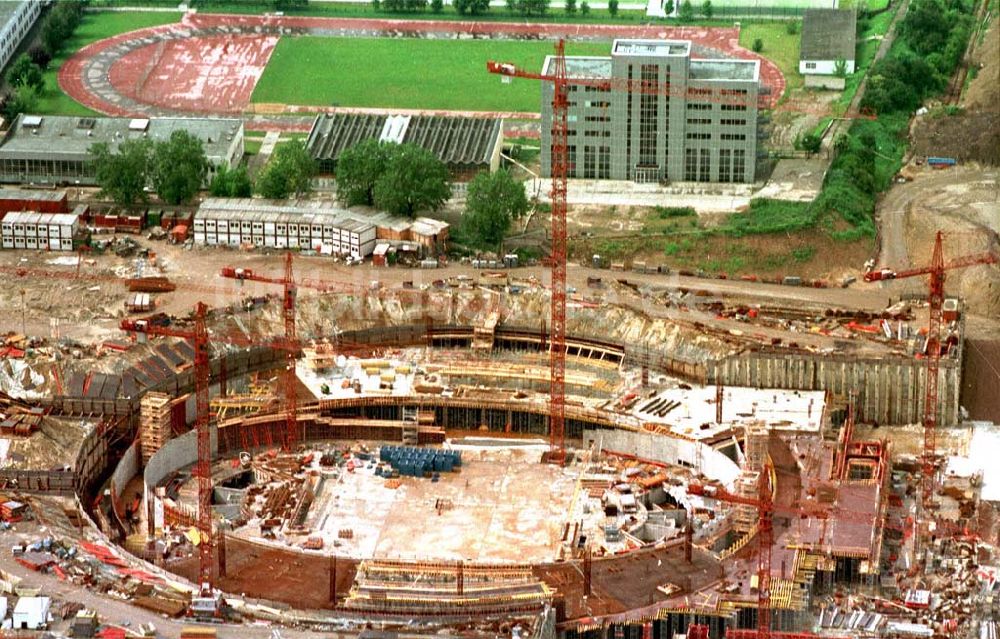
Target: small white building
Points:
x,y
39,231
828,38
31,613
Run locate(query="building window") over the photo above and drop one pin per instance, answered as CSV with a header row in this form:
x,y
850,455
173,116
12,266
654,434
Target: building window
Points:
x,y
734,107
732,122
698,136
604,163
725,168
739,165
589,163
690,165
648,107
696,121
698,106
704,165
810,65
733,136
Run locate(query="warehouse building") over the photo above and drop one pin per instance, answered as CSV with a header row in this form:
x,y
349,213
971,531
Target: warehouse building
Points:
x,y
324,229
699,125
41,231
56,149
828,40
466,145
16,19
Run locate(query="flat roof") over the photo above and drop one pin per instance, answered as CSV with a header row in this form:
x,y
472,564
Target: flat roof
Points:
x,y
59,137
31,194
646,47
31,217
691,412
579,66
828,34
742,70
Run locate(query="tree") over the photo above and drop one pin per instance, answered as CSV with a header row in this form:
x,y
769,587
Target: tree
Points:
x,y
494,201
570,6
55,31
285,5
613,7
585,8
288,172
21,100
706,9
437,6
758,45
358,168
25,73
39,56
376,4
810,143
413,180
473,7
792,27
179,167
668,8
687,11
123,175
231,183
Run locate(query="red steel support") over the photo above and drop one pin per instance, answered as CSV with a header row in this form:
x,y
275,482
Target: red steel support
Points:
x,y
560,172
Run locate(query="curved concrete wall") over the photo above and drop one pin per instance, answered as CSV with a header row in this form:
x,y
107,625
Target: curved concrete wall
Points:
x,y
669,450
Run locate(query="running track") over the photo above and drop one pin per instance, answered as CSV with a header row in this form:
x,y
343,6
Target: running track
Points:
x,y
210,63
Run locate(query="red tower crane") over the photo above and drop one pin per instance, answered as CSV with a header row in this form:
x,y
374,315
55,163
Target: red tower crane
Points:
x,y
289,377
198,336
935,300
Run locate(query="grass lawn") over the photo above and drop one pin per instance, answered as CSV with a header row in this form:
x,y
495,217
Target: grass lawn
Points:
x,y
406,73
94,27
780,47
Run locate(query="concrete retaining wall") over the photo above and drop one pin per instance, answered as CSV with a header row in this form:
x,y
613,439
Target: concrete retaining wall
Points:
x,y
889,390
669,450
177,453
127,468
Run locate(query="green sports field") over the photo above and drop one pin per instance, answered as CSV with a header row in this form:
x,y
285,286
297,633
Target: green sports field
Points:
x,y
406,73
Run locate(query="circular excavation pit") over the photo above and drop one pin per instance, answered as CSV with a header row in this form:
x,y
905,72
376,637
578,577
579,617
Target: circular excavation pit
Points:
x,y
475,499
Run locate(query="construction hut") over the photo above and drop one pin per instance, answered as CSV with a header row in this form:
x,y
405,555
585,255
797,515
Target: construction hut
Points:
x,y
467,145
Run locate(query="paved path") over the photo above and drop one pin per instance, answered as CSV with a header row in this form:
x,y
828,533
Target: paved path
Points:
x,y
114,76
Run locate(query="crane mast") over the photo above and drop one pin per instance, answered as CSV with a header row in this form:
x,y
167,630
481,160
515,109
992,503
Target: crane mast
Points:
x,y
935,302
557,328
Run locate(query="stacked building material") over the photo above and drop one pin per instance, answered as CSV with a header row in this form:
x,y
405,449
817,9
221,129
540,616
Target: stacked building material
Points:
x,y
154,423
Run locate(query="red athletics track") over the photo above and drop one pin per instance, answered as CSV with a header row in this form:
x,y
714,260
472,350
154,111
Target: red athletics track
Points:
x,y
210,63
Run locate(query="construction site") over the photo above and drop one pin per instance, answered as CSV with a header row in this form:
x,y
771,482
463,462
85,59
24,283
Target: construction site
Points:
x,y
259,439
321,450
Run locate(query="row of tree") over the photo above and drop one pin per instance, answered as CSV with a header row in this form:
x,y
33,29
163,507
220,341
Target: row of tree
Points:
x,y
176,169
686,10
403,179
24,75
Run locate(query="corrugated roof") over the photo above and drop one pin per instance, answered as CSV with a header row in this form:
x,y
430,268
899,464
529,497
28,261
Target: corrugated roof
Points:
x,y
828,34
31,217
454,140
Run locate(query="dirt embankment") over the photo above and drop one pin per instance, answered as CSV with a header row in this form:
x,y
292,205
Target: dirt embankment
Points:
x,y
974,133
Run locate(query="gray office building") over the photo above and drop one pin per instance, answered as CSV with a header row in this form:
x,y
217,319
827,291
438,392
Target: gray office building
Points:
x,y
699,125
